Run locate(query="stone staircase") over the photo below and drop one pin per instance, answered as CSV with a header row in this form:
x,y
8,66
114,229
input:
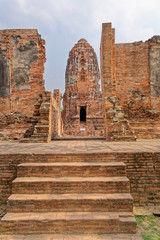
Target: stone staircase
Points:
x,y
145,128
40,129
86,196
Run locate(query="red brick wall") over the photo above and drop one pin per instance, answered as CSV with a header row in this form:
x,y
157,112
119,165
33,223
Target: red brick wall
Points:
x,y
116,127
130,86
132,75
143,171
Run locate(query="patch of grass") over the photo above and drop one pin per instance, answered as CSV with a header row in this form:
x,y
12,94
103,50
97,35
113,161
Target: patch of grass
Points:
x,y
149,227
139,220
149,236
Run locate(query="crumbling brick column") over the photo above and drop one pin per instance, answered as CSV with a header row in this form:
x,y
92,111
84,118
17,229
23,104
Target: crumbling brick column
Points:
x,y
116,126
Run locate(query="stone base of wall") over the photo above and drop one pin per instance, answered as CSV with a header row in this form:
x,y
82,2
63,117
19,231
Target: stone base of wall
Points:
x,y
144,123
13,126
145,128
94,126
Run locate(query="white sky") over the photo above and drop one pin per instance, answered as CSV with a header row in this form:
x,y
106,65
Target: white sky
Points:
x,y
63,22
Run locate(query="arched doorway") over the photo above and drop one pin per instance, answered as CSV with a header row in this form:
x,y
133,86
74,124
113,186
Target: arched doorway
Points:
x,y
83,114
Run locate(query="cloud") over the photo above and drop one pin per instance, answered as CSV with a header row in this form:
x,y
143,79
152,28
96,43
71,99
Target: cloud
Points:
x,y
63,22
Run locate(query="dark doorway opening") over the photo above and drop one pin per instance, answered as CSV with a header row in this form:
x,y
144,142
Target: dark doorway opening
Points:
x,y
83,114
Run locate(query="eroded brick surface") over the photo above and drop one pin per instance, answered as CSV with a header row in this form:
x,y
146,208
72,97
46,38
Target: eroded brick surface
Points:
x,y
70,204
47,118
22,58
130,87
142,165
82,93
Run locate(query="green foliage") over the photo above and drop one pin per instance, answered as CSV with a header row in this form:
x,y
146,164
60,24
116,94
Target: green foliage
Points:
x,y
149,227
150,236
139,220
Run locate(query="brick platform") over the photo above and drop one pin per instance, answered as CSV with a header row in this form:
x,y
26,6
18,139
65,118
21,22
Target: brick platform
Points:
x,y
72,237
77,180
80,146
85,198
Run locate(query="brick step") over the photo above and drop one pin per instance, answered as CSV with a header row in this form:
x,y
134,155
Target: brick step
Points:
x,y
42,125
73,157
25,140
142,131
126,138
70,202
42,128
71,236
62,169
143,128
80,135
70,222
146,136
37,140
33,140
66,137
40,135
70,185
43,120
141,124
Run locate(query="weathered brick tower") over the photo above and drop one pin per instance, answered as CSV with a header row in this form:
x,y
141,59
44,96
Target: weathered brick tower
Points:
x,y
82,100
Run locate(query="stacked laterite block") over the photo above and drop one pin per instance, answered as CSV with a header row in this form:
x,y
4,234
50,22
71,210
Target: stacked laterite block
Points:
x,y
86,196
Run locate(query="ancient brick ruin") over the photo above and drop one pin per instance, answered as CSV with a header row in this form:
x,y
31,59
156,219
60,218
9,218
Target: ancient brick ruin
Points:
x,y
127,108
75,191
130,87
22,89
82,100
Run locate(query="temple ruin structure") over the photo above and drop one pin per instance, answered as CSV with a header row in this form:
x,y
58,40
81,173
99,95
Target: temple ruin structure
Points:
x,y
126,110
82,100
27,111
70,188
130,77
